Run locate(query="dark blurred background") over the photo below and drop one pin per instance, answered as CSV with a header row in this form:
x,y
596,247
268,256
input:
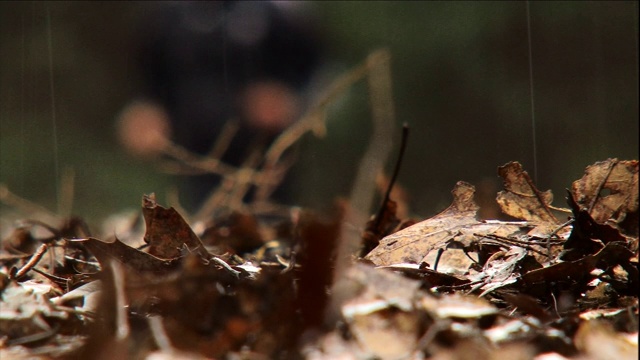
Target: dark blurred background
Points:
x,y
460,77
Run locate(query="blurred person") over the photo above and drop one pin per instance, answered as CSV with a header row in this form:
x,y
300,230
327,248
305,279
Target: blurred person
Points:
x,y
206,63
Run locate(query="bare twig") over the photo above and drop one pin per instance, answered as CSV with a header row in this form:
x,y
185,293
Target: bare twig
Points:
x,y
42,249
67,189
223,140
196,164
314,119
244,178
268,186
122,320
372,162
374,158
231,192
525,244
159,334
266,172
25,206
222,263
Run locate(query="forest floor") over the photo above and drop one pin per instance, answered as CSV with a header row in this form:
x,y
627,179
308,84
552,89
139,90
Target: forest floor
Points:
x,y
242,285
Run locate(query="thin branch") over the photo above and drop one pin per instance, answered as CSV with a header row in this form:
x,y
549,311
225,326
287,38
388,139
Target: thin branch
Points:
x,y
25,206
159,334
372,162
122,321
42,249
394,177
314,119
67,190
223,140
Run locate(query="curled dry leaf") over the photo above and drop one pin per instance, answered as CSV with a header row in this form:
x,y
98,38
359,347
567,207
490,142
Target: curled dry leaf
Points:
x,y
412,244
521,199
167,232
587,236
455,227
609,190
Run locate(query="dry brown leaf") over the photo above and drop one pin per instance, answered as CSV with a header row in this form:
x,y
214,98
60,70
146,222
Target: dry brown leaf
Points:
x,y
168,233
235,233
131,257
500,270
609,190
428,276
382,317
455,227
412,244
387,334
26,312
457,306
599,341
521,199
612,254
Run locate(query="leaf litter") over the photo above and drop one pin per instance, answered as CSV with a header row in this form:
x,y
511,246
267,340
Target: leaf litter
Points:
x,y
257,281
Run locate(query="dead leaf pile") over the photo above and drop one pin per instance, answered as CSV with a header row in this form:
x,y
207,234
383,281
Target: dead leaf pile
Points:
x,y
551,283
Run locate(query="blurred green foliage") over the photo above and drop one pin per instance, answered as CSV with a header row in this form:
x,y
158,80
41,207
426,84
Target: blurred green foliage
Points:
x,y
461,81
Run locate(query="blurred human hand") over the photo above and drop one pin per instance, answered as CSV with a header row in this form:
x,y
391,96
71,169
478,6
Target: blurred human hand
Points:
x,y
143,129
269,106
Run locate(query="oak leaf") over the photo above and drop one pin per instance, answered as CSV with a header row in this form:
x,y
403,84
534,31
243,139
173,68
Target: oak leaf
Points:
x,y
168,233
455,227
609,190
521,199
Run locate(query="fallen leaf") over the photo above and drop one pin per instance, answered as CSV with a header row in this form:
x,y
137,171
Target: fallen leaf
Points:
x,y
609,190
500,270
527,304
521,199
413,244
382,317
236,233
599,341
126,255
457,306
386,333
612,254
89,293
430,277
26,312
380,225
168,233
585,232
456,227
